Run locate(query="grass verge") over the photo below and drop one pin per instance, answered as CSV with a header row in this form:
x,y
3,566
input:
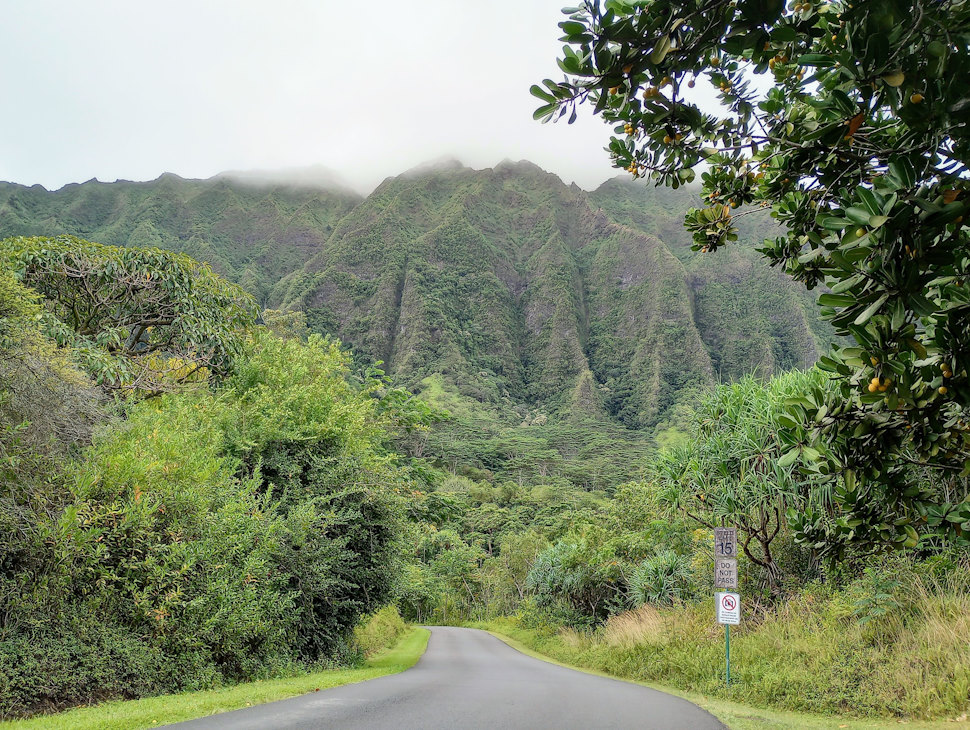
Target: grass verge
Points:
x,y
735,715
155,711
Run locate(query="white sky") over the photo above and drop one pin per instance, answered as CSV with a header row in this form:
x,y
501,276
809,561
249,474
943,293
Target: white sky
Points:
x,y
130,89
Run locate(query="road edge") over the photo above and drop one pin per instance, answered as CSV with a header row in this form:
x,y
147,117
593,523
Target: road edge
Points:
x,y
696,700
150,712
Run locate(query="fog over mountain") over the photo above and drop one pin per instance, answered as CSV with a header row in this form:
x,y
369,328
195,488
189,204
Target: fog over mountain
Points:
x,y
311,176
202,86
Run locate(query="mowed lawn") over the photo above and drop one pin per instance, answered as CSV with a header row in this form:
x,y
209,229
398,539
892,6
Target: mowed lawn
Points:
x,y
166,709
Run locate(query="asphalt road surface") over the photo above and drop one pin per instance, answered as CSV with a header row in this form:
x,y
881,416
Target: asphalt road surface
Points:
x,y
469,679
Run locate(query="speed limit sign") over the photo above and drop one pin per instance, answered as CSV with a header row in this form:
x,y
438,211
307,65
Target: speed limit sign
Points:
x,y
725,542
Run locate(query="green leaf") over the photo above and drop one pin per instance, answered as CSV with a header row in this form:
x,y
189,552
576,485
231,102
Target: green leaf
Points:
x,y
832,223
787,421
869,200
541,93
836,300
917,347
660,50
870,310
901,169
819,60
857,215
572,27
845,105
544,111
783,34
847,283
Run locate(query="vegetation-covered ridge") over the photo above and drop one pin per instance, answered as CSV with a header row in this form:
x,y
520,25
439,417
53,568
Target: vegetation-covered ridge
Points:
x,y
251,233
524,294
520,289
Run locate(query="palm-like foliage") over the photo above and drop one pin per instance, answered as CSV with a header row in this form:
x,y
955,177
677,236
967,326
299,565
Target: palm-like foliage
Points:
x,y
662,579
730,472
139,319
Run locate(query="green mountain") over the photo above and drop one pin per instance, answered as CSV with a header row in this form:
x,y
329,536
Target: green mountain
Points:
x,y
251,232
556,325
510,285
752,318
513,285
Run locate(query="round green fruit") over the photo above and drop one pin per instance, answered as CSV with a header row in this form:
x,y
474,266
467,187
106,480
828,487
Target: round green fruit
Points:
x,y
935,49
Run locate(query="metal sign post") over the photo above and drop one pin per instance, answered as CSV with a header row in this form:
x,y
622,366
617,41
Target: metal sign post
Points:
x,y
729,614
728,605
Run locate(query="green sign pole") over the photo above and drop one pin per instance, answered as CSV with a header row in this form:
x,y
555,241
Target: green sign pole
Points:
x,y
727,651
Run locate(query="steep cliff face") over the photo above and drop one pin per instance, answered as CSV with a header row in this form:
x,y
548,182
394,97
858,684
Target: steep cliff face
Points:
x,y
510,284
751,318
647,348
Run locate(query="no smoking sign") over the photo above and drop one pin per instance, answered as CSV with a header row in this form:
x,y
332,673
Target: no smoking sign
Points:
x,y
728,608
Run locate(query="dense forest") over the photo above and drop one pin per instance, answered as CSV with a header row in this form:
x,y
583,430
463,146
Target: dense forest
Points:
x,y
189,499
252,414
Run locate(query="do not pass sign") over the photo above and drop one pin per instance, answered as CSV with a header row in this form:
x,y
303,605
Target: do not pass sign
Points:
x,y
726,573
728,608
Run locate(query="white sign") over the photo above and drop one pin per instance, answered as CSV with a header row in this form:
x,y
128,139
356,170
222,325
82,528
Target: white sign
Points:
x,y
725,573
725,542
728,608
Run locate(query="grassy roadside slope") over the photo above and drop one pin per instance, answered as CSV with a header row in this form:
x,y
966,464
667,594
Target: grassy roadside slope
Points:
x,y
735,715
155,711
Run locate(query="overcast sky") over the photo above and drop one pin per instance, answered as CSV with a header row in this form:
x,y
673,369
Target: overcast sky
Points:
x,y
120,89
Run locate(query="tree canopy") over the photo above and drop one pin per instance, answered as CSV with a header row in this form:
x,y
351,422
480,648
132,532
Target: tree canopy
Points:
x,y
137,318
849,122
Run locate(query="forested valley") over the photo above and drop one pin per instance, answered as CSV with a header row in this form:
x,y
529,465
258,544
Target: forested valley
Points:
x,y
239,419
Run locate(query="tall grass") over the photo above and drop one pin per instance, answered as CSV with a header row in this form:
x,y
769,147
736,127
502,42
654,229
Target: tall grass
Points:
x,y
642,625
816,652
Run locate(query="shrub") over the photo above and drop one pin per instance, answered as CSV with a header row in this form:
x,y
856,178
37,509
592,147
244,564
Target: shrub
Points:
x,y
574,576
379,630
662,579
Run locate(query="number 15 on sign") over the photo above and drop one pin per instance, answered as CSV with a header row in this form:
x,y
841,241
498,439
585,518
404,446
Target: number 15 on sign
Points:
x,y
725,542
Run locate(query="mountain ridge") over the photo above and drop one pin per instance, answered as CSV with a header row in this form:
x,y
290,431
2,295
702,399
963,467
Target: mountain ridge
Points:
x,y
523,293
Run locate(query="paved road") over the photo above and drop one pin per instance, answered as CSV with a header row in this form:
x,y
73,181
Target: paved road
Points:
x,y
469,679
